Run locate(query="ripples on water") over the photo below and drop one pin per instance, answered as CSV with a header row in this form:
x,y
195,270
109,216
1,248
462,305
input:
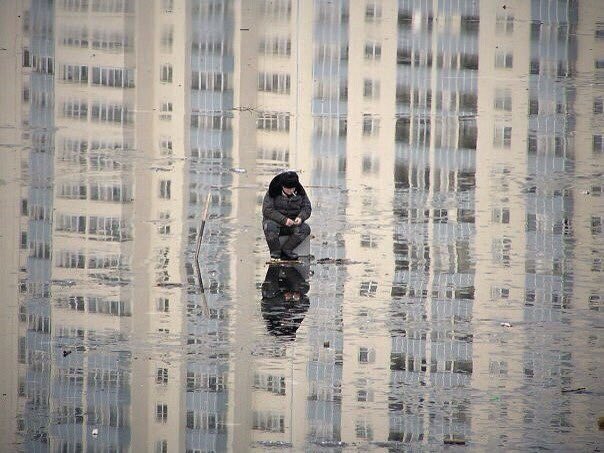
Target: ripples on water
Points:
x,y
453,154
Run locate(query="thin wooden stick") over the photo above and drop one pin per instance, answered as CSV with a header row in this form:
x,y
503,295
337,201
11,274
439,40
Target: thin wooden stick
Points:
x,y
204,303
202,226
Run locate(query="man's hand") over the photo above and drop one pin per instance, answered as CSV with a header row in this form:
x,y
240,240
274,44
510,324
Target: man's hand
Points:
x,y
289,223
298,221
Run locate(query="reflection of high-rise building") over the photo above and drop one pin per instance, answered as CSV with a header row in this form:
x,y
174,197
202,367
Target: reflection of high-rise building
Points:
x,y
14,160
436,147
92,223
35,20
434,176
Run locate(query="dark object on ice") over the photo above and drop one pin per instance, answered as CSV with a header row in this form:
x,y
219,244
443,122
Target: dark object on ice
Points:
x,y
284,300
285,209
66,353
578,389
283,262
454,441
337,261
601,422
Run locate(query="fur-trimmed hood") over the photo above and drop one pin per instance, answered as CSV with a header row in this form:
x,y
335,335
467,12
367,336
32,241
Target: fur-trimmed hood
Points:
x,y
275,187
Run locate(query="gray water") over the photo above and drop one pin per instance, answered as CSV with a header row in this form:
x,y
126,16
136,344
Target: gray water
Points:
x,y
453,154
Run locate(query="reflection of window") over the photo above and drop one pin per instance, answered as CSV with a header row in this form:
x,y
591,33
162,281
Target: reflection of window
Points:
x,y
368,241
371,89
470,24
324,126
597,143
403,94
534,106
113,6
468,61
161,413
75,73
273,122
502,136
75,37
269,382
363,355
371,125
75,109
110,40
161,446
500,215
111,113
167,38
503,59
504,24
165,189
276,45
274,83
107,228
165,146
162,376
364,430
368,288
165,73
277,9
164,226
373,11
69,259
75,5
113,77
598,106
534,67
211,81
503,99
167,6
402,130
166,110
596,224
371,164
373,50
270,421
163,304
212,122
403,56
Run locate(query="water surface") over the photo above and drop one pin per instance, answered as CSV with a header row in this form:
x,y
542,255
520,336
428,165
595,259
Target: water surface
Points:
x,y
452,151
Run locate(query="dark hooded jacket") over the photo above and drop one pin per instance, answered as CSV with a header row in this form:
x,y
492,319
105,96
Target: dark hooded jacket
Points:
x,y
279,208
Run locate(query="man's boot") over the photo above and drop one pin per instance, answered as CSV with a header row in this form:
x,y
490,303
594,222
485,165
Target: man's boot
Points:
x,y
272,239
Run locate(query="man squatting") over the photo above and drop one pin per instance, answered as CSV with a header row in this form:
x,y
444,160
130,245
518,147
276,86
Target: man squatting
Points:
x,y
285,209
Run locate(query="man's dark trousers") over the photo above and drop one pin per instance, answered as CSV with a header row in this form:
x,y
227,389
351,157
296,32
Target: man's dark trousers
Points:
x,y
296,234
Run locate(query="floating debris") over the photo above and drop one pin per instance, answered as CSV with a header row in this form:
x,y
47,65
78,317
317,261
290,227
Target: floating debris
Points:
x,y
506,324
329,443
238,170
578,389
454,441
337,261
274,443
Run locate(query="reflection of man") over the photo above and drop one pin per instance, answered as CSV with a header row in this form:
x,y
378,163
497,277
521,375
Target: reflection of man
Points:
x,y
284,211
284,300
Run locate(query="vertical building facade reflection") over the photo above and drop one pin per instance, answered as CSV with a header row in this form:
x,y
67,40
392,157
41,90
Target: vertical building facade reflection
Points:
x,y
436,146
433,290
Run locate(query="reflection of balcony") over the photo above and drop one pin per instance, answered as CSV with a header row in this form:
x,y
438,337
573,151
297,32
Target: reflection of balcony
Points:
x,y
211,100
331,106
205,440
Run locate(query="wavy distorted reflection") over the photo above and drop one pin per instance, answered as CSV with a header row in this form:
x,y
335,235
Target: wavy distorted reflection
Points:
x,y
452,151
